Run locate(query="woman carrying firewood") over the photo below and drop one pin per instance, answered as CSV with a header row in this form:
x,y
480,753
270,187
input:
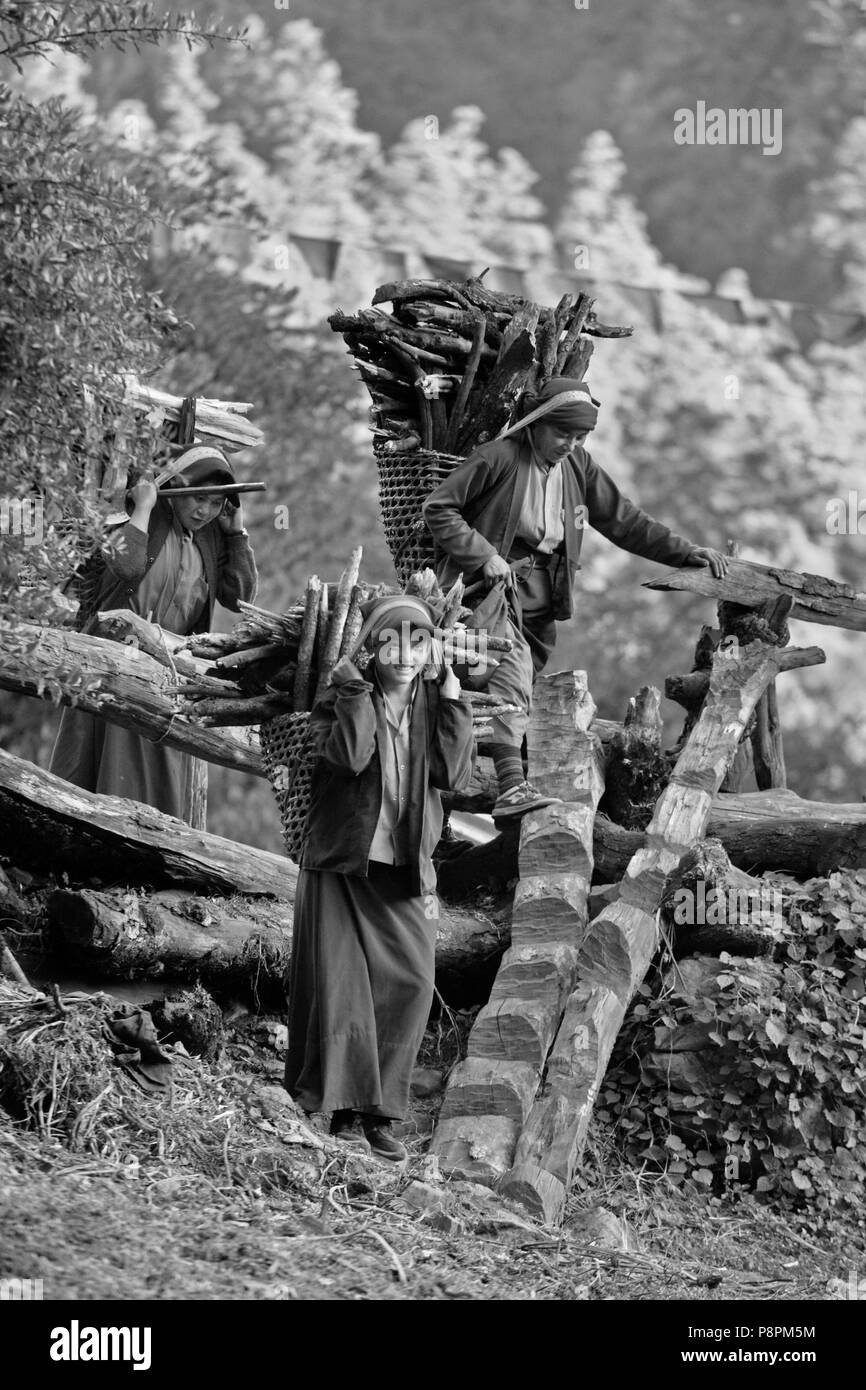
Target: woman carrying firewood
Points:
x,y
170,562
513,515
366,909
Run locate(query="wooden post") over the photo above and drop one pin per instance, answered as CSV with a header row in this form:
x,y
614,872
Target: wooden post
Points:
x,y
490,1093
621,942
636,769
767,732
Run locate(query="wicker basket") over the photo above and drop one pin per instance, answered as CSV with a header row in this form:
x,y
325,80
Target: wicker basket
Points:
x,y
405,482
289,764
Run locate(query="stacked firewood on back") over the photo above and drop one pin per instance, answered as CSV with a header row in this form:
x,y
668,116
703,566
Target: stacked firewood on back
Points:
x,y
275,664
447,370
174,423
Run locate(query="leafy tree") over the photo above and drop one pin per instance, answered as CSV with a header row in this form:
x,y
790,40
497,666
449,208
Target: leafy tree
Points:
x,y
74,237
441,188
600,226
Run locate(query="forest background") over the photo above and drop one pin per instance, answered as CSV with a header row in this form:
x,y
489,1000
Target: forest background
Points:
x,y
533,135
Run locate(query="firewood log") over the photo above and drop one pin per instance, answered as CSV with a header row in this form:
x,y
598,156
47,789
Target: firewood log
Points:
x,y
307,645
331,650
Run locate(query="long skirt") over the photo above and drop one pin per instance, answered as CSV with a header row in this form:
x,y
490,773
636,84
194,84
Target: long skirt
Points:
x,y
361,989
106,758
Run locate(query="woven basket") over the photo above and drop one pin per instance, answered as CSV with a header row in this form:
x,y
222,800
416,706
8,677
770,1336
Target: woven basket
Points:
x,y
405,482
289,764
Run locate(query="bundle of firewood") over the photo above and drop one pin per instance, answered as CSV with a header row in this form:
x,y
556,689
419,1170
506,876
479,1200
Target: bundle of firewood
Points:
x,y
447,369
221,423
274,664
155,428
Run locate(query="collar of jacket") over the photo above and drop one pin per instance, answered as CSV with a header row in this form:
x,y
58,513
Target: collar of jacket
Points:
x,y
573,496
112,593
418,744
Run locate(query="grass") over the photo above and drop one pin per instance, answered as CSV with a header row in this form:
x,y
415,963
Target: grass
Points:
x,y
225,1191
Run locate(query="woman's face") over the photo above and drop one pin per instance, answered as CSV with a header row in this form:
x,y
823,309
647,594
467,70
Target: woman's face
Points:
x,y
195,512
553,442
400,654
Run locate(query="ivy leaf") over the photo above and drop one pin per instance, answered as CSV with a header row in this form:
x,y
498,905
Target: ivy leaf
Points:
x,y
776,1032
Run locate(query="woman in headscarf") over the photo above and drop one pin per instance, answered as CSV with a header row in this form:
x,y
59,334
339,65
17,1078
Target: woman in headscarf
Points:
x,y
366,909
169,562
513,515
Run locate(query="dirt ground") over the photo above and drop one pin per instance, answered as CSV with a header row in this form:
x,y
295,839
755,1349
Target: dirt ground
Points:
x,y
225,1192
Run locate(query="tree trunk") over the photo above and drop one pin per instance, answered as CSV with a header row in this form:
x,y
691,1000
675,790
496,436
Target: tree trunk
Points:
x,y
490,1093
622,940
121,933
121,684
45,821
636,771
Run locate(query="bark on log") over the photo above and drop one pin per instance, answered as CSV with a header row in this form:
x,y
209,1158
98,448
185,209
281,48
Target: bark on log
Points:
x,y
342,604
710,906
802,838
498,397
767,750
636,770
622,940
513,1032
229,942
816,599
46,822
121,684
689,689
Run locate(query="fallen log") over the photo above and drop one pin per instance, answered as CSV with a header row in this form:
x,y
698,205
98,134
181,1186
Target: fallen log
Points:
x,y
203,895
46,822
779,830
621,941
121,684
243,940
816,599
802,838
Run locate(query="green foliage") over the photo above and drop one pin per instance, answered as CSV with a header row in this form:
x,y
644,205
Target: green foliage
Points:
x,y
72,237
32,30
784,1091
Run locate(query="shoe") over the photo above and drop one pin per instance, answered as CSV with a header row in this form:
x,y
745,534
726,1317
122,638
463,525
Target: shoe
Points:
x,y
343,1130
520,799
382,1142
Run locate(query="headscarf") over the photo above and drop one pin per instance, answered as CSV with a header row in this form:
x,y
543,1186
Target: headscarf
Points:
x,y
197,466
391,611
562,401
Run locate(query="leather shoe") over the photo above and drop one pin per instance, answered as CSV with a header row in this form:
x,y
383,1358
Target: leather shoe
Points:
x,y
382,1142
343,1130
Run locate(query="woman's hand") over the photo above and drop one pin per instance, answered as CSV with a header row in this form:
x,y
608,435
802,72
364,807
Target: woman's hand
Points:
x,y
345,671
498,568
144,494
450,687
231,519
705,555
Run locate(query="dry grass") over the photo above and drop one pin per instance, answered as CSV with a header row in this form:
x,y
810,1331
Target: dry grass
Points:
x,y
224,1191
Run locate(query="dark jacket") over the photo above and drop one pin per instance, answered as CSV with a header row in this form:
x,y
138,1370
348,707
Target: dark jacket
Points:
x,y
110,581
474,514
348,726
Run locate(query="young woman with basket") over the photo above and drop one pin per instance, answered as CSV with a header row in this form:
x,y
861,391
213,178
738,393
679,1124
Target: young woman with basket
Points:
x,y
171,561
366,911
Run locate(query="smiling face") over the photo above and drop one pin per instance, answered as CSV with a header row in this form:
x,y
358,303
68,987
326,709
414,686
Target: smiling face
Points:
x,y
554,441
400,655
